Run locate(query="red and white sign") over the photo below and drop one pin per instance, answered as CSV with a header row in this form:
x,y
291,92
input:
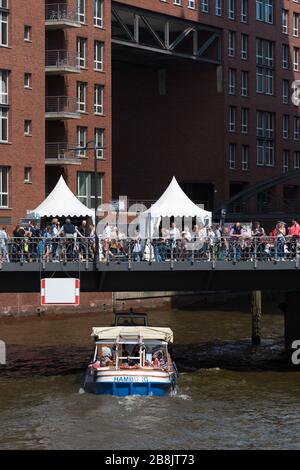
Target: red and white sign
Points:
x,y
60,291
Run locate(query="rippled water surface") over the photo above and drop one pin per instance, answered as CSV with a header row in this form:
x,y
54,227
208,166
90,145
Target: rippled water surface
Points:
x,y
229,395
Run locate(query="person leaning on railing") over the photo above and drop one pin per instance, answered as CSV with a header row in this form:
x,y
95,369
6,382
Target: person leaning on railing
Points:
x,y
4,245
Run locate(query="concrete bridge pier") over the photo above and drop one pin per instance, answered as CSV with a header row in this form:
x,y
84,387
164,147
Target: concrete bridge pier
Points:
x,y
256,317
291,309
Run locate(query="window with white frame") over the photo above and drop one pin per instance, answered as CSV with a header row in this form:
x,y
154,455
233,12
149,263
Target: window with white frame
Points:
x,y
244,120
81,52
244,11
28,127
265,59
4,187
245,157
81,11
98,56
98,99
265,11
296,128
285,22
98,13
232,119
27,33
86,188
285,56
99,142
27,80
265,131
232,81
81,141
244,83
231,9
28,174
204,6
285,91
218,7
296,159
232,156
192,4
3,87
4,4
231,43
177,2
3,125
244,46
296,24
3,29
286,160
285,126
296,59
81,97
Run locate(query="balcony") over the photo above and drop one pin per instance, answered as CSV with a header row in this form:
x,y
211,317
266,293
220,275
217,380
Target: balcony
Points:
x,y
61,62
61,108
61,16
57,153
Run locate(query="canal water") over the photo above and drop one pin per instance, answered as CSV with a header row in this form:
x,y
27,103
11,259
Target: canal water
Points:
x,y
229,395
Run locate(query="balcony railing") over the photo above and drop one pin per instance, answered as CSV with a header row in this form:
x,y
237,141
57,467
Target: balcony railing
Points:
x,y
61,107
61,60
60,15
58,152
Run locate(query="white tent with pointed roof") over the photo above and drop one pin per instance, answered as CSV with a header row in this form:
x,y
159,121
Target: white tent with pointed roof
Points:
x,y
61,202
174,203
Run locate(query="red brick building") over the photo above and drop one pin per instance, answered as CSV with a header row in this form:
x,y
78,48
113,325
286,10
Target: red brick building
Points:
x,y
200,89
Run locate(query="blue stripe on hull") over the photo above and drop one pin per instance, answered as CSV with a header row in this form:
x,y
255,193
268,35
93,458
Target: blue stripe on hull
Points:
x,y
125,389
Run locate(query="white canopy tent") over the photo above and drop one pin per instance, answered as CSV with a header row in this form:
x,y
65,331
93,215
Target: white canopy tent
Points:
x,y
61,202
173,203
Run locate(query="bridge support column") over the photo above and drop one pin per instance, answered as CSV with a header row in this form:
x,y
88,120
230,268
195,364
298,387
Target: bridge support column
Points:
x,y
256,317
291,318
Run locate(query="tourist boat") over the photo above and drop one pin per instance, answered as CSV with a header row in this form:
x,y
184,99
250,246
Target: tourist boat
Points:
x,y
131,360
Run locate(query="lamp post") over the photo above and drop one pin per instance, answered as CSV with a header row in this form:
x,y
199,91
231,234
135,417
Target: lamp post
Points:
x,y
92,145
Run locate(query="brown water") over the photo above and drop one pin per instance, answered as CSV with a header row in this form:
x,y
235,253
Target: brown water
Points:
x,y
229,395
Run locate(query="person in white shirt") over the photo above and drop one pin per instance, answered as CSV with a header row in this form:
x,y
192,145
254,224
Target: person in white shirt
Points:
x,y
107,232
3,244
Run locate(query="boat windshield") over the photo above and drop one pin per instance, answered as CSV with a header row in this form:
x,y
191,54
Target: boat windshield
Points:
x,y
130,354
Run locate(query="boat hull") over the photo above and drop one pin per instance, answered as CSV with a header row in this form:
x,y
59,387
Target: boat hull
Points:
x,y
159,384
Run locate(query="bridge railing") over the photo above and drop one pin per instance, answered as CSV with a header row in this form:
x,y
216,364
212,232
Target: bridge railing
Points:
x,y
231,249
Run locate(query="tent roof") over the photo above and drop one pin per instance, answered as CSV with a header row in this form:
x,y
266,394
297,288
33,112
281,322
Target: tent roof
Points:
x,y
175,203
134,332
61,202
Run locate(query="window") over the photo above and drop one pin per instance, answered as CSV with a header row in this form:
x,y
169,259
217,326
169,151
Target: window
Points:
x,y
4,172
81,141
285,56
285,126
244,11
232,82
81,97
285,22
98,13
285,91
4,4
27,33
245,157
231,9
98,99
218,7
286,159
244,120
27,174
231,43
99,142
244,46
232,156
296,159
265,131
232,119
244,83
98,56
204,6
86,189
296,59
296,24
3,29
192,4
81,11
27,127
81,52
265,67
3,87
296,128
27,80
3,125
265,10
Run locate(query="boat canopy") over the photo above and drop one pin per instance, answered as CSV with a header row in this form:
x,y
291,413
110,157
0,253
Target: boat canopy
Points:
x,y
144,332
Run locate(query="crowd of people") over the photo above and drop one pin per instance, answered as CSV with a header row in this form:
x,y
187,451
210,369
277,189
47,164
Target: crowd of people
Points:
x,y
69,241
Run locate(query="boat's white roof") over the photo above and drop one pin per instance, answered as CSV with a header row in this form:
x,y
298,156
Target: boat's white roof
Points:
x,y
145,332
